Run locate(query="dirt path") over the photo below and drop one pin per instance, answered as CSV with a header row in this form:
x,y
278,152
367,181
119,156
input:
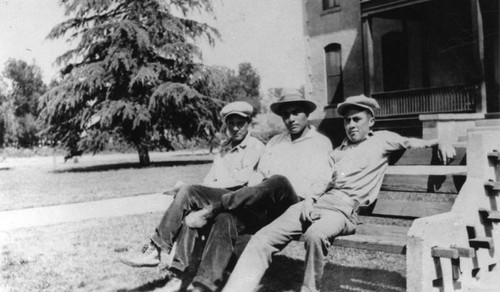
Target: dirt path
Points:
x,y
81,211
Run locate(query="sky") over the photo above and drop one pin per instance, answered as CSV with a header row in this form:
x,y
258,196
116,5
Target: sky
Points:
x,y
266,33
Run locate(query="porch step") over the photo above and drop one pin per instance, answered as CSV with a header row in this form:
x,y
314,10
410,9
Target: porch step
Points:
x,y
492,116
488,122
481,242
495,155
490,215
453,252
465,252
492,185
444,252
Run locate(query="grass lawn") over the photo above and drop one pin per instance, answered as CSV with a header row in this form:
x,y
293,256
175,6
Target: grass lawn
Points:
x,y
44,181
82,256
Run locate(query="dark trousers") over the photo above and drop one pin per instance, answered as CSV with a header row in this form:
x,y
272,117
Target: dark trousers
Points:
x,y
246,211
190,197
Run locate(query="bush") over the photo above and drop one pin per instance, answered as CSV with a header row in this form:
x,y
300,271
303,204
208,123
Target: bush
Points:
x,y
267,125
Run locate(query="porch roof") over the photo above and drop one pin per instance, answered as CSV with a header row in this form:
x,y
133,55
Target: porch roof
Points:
x,y
370,7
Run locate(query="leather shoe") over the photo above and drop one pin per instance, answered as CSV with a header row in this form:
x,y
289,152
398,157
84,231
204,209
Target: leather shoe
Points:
x,y
150,257
174,284
197,288
198,219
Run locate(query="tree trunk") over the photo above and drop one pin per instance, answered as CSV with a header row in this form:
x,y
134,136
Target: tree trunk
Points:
x,y
143,154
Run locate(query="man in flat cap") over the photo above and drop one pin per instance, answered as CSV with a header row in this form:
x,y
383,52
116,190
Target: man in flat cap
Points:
x,y
359,164
293,164
231,169
239,154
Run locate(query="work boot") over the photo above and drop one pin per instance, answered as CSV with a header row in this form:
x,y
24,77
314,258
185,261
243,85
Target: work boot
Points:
x,y
174,283
149,257
197,287
198,219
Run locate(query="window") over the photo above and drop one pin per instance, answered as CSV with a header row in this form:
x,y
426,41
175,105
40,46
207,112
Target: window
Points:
x,y
395,61
334,82
330,4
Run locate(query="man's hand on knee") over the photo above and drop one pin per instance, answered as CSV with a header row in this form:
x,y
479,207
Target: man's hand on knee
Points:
x,y
307,214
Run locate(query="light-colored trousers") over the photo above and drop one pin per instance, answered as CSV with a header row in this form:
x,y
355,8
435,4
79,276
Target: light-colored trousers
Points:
x,y
337,217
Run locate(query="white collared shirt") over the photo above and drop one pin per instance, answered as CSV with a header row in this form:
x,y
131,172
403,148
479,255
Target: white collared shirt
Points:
x,y
305,162
359,168
233,166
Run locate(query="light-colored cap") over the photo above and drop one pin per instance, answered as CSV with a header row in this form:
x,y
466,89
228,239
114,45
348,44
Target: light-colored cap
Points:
x,y
360,101
240,108
289,96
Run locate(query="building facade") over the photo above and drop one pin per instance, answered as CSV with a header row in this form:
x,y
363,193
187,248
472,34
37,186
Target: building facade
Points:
x,y
433,65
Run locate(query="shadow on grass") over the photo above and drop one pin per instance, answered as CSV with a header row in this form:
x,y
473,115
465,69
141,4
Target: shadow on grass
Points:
x,y
160,284
133,165
152,285
285,274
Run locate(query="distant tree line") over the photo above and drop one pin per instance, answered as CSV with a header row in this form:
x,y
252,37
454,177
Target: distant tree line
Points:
x,y
21,88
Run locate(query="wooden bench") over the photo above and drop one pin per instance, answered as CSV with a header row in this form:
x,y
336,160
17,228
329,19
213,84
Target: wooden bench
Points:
x,y
416,185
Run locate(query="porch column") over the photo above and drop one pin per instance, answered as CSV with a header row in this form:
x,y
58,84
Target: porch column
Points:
x,y
369,68
477,30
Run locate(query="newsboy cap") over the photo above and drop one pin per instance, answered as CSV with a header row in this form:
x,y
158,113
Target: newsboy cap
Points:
x,y
290,96
359,101
240,108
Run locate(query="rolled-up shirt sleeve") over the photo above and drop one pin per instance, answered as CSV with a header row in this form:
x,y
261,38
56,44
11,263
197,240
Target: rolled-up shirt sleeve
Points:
x,y
394,141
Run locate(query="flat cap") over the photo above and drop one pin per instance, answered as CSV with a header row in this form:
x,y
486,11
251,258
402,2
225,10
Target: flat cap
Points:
x,y
289,96
240,108
359,101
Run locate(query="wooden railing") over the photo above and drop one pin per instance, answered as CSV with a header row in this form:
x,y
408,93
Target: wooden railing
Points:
x,y
451,99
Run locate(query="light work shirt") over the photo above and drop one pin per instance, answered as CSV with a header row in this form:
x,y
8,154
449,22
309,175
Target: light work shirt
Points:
x,y
233,166
358,169
305,162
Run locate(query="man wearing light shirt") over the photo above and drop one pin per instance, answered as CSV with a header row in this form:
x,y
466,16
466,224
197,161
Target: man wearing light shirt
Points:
x,y
359,165
293,158
230,170
235,163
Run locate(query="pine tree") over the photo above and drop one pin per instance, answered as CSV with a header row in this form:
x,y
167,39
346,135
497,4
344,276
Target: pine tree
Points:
x,y
132,75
